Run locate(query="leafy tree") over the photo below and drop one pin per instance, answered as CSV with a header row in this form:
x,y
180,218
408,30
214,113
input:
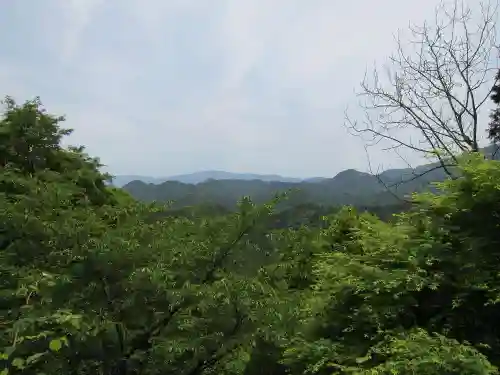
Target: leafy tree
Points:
x,y
415,296
92,283
494,126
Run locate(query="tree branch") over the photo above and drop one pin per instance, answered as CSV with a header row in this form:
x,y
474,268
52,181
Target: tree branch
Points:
x,y
437,82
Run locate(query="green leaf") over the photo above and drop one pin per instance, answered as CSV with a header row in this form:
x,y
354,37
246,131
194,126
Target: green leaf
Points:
x,y
55,345
18,363
33,358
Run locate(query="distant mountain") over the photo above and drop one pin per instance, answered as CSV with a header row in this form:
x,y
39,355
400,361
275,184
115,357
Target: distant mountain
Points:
x,y
349,187
349,177
198,177
122,180
315,179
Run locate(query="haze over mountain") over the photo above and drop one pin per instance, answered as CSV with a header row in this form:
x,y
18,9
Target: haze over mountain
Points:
x,y
347,187
350,187
198,177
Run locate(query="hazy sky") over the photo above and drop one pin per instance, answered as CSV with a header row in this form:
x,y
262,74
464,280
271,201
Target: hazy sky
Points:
x,y
162,87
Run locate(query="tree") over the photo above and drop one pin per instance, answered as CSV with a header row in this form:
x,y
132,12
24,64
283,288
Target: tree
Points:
x,y
30,143
419,296
494,125
96,282
436,85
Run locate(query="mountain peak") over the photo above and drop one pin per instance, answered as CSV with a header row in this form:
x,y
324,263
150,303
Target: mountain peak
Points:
x,y
350,172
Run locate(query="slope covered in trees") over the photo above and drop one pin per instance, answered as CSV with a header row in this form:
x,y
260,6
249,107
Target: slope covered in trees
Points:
x,y
349,187
384,194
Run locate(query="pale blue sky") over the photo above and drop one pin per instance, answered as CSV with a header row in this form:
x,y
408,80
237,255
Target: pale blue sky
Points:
x,y
162,87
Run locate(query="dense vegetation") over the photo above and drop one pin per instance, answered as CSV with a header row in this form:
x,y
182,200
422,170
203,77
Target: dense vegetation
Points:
x,y
95,282
100,280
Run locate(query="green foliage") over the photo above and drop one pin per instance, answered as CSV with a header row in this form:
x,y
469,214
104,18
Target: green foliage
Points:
x,y
415,296
93,281
494,125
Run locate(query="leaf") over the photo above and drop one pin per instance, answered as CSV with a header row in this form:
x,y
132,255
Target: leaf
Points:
x,y
18,363
55,345
361,360
5,371
75,321
33,358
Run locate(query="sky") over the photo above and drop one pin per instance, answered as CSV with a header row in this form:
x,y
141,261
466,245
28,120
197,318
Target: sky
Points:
x,y
164,87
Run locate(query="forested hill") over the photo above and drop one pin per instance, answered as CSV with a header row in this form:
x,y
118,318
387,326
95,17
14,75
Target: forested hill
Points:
x,y
348,187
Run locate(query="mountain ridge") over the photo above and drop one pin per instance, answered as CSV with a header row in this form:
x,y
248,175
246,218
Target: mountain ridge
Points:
x,y
348,187
202,176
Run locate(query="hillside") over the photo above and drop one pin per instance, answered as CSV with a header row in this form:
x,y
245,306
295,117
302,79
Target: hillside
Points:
x,y
348,187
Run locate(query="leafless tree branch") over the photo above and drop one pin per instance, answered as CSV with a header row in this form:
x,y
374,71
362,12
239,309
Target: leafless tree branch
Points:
x,y
436,84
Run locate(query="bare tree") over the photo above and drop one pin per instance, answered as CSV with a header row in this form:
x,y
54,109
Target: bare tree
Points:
x,y
437,81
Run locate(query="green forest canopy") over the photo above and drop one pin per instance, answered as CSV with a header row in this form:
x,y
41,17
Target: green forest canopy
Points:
x,y
94,281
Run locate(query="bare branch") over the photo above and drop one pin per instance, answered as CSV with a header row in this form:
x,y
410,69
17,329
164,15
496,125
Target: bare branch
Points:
x,y
435,87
